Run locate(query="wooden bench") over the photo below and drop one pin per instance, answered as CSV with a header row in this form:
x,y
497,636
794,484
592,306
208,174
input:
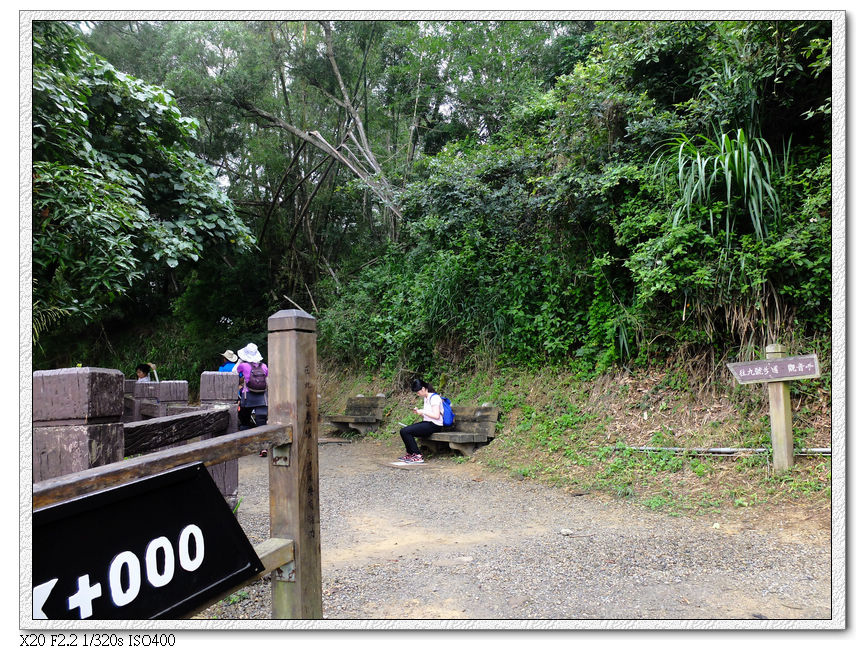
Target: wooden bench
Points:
x,y
473,426
363,414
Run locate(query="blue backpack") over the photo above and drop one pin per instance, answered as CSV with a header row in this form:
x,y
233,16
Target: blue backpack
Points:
x,y
447,411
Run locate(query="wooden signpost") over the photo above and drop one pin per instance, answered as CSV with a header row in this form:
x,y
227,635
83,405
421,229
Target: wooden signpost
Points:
x,y
777,370
293,476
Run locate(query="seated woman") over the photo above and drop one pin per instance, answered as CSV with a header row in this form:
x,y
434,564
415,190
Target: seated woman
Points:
x,y
142,371
433,421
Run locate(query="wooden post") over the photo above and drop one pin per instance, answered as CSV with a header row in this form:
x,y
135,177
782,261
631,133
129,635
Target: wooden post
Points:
x,y
76,420
294,499
128,400
780,416
220,389
169,394
143,393
776,370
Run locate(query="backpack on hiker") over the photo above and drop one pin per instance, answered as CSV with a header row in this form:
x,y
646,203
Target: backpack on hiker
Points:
x,y
257,382
447,411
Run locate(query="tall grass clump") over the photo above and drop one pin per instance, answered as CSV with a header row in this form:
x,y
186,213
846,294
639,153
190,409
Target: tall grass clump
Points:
x,y
734,175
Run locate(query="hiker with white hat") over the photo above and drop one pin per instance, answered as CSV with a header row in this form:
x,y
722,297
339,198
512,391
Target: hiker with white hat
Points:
x,y
229,361
253,387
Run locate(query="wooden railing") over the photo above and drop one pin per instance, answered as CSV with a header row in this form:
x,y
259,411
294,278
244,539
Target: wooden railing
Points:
x,y
146,436
276,554
293,552
210,452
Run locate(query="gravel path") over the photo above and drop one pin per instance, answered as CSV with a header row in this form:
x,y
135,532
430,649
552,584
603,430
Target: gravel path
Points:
x,y
449,540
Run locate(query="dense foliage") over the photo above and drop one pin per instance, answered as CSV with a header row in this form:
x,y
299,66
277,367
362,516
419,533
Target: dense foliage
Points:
x,y
626,213
118,198
548,192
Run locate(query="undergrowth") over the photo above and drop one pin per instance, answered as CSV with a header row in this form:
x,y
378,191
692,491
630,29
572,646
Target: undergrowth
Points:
x,y
564,429
581,435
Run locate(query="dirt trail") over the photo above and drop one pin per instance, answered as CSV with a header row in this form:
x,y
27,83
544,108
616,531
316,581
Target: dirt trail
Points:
x,y
454,540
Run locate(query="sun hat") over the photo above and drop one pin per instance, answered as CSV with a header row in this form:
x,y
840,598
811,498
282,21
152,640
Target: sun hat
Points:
x,y
228,354
250,353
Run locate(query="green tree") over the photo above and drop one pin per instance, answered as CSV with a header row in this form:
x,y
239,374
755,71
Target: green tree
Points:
x,y
118,197
434,189
558,237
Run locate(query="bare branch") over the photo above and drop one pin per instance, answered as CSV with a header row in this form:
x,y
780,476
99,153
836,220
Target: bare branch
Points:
x,y
370,171
349,105
279,189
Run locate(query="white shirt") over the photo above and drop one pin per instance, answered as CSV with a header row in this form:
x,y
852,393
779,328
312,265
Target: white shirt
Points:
x,y
432,403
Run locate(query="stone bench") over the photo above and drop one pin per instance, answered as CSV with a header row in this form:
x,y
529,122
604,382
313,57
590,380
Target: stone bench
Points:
x,y
473,426
363,414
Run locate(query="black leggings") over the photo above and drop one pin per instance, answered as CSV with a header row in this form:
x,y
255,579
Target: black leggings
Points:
x,y
245,417
419,430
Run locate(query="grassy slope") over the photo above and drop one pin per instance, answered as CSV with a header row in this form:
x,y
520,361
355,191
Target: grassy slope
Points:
x,y
563,431
574,434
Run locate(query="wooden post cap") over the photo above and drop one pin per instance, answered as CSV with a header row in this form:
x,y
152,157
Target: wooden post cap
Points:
x,y
173,391
776,350
291,319
218,386
77,394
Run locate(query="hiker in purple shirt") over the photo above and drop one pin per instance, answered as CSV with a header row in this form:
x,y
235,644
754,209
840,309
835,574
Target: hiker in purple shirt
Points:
x,y
253,387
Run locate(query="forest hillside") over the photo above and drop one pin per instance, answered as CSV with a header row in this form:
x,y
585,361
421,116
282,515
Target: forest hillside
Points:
x,y
582,221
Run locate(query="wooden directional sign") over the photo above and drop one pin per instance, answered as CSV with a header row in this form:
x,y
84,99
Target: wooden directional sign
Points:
x,y
775,371
781,369
155,548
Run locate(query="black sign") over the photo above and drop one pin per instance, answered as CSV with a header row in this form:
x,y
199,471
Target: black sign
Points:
x,y
156,548
802,367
